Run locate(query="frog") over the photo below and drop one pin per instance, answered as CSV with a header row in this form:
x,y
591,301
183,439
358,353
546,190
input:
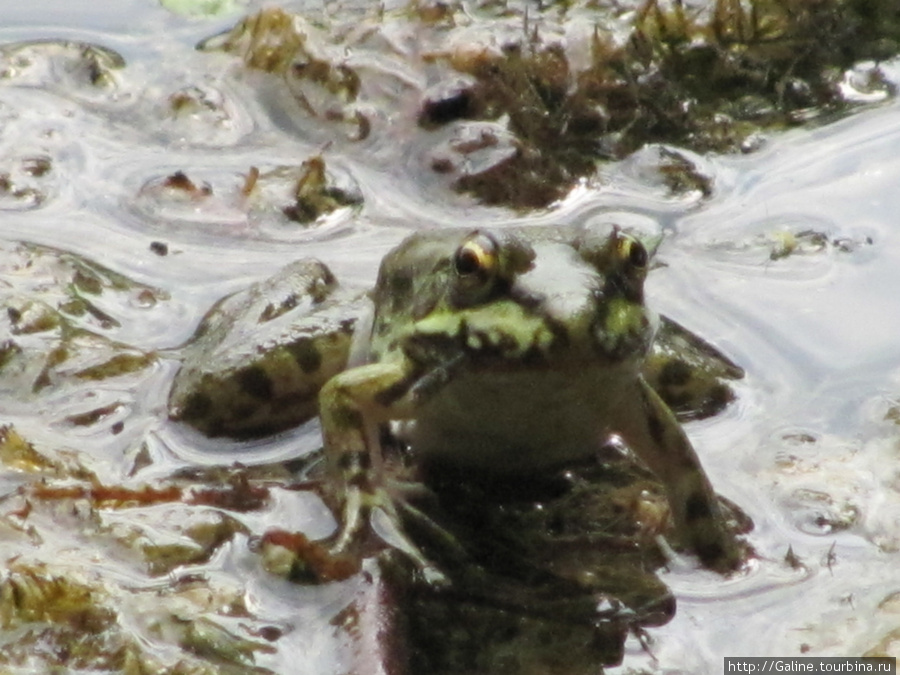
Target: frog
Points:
x,y
507,352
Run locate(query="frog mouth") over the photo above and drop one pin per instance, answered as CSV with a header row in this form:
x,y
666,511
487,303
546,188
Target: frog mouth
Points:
x,y
556,345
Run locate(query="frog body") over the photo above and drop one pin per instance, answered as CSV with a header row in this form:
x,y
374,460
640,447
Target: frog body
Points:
x,y
256,364
508,352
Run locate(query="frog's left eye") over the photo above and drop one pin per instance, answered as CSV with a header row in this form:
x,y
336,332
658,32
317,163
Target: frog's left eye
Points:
x,y
476,258
629,270
634,252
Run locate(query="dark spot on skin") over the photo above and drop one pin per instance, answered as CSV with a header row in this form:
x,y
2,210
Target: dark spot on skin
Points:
x,y
560,335
396,391
295,404
719,396
697,508
197,406
463,332
675,374
306,355
255,382
507,344
490,347
534,356
427,384
431,349
479,338
399,288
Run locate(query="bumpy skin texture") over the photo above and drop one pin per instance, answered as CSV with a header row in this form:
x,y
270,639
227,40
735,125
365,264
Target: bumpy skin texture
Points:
x,y
512,352
260,357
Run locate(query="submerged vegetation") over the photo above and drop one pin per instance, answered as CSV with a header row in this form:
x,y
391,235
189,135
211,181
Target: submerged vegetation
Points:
x,y
707,79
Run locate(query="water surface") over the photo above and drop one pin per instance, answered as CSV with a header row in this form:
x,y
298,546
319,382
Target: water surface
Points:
x,y
809,449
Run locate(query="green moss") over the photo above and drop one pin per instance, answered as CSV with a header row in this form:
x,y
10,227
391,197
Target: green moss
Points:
x,y
706,82
316,194
707,78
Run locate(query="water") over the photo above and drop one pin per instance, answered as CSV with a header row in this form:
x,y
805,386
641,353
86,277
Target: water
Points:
x,y
808,450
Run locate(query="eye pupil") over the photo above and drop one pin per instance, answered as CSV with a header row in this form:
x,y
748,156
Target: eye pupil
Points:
x,y
467,261
637,254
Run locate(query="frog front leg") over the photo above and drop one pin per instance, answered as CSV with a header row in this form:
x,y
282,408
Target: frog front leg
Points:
x,y
652,432
353,407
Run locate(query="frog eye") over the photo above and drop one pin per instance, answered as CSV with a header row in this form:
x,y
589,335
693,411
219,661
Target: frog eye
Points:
x,y
634,252
630,252
629,266
476,257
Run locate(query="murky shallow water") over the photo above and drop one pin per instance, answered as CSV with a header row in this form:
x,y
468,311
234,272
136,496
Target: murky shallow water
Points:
x,y
808,450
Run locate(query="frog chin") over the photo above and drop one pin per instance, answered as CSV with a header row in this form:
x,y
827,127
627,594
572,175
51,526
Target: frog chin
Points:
x,y
518,420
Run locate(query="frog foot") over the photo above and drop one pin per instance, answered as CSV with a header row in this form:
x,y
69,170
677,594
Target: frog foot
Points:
x,y
378,509
718,542
718,548
714,536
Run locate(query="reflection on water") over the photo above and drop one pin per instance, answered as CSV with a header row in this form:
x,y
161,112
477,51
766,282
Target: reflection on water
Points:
x,y
789,265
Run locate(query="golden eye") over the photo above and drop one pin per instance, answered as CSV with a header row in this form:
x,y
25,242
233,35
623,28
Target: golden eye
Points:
x,y
634,252
477,256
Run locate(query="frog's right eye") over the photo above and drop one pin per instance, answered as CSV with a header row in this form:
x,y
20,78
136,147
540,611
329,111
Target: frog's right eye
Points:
x,y
477,258
477,264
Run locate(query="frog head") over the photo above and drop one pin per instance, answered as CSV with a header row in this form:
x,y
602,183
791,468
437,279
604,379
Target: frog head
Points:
x,y
514,297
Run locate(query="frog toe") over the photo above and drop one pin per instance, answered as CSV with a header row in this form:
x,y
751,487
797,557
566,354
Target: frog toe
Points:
x,y
377,511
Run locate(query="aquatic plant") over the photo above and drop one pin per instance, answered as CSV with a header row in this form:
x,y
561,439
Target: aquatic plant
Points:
x,y
706,80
